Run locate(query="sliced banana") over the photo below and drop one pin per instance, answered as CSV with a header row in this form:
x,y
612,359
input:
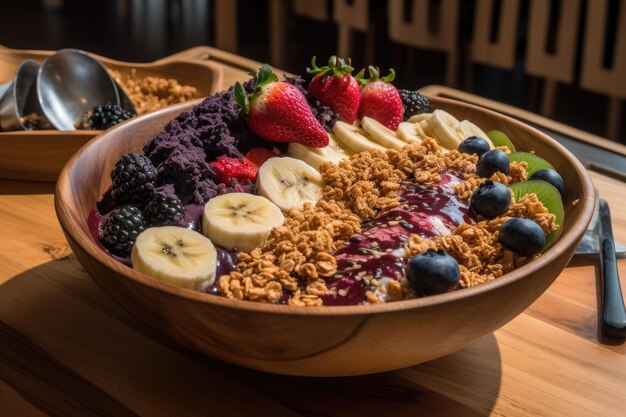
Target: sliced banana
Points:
x,y
468,129
240,220
409,132
445,127
289,182
333,153
426,129
355,138
419,117
176,255
381,133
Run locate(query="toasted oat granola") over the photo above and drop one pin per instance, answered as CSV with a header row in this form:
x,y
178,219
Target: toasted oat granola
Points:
x,y
297,258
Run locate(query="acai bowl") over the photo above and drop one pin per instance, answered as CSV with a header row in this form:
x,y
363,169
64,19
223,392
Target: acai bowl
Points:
x,y
426,291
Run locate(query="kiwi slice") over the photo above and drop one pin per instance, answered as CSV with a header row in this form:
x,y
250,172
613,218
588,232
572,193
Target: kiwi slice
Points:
x,y
549,197
499,138
535,163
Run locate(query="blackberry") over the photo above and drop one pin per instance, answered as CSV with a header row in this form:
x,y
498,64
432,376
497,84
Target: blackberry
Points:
x,y
413,103
322,113
104,117
163,210
121,230
133,179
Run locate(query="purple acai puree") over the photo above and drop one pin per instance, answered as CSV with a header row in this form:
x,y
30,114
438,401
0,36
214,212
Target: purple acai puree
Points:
x,y
182,151
427,210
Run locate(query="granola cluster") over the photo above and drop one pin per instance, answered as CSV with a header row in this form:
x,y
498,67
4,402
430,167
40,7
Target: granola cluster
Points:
x,y
297,258
476,247
153,93
471,181
368,181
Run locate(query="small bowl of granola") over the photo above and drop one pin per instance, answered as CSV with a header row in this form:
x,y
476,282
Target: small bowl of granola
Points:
x,y
36,151
270,227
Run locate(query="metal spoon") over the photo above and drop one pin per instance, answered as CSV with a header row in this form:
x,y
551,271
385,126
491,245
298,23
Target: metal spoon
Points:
x,y
20,97
69,84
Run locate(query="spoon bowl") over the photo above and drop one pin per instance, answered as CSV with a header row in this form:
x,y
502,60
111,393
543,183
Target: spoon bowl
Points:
x,y
69,84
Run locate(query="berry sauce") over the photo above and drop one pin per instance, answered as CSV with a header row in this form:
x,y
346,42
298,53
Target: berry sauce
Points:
x,y
226,260
427,210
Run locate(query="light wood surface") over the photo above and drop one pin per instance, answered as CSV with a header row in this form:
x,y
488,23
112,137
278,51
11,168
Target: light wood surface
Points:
x,y
68,349
40,155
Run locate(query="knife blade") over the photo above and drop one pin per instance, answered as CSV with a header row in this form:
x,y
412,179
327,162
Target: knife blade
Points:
x,y
589,246
613,323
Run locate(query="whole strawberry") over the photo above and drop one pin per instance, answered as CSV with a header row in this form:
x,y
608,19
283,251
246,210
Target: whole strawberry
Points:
x,y
278,111
335,87
380,100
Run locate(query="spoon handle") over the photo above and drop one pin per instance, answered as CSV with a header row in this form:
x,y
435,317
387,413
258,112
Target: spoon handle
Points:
x,y
613,310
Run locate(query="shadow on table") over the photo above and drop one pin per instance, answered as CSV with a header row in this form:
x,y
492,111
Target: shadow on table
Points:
x,y
68,349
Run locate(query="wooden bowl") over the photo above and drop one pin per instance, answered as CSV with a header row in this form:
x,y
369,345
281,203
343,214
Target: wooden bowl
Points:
x,y
323,341
41,154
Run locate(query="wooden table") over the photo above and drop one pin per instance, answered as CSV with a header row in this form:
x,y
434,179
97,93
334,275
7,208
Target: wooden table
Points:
x,y
66,349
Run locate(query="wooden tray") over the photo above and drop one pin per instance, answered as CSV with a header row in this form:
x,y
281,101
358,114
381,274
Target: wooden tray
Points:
x,y
40,155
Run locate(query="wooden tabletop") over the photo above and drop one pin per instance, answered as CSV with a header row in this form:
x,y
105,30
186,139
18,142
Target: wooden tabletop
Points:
x,y
66,349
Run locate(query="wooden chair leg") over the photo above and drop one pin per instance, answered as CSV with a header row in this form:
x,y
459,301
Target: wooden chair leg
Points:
x,y
613,120
549,95
344,41
226,25
279,10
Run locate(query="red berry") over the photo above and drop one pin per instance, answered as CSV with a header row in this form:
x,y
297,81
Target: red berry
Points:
x,y
225,169
380,100
279,112
259,155
335,87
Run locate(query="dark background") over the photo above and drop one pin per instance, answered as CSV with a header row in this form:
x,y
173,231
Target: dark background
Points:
x,y
98,26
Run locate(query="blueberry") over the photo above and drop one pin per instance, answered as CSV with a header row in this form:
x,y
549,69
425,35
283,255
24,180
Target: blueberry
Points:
x,y
550,176
523,236
490,200
491,162
433,272
474,145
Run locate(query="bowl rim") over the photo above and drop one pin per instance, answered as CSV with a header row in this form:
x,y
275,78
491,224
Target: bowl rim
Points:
x,y
80,235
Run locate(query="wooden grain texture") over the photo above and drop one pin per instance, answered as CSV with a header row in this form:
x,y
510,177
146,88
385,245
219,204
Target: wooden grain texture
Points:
x,y
325,341
48,302
40,155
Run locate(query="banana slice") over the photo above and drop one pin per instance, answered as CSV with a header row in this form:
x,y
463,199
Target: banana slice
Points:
x,y
468,129
409,132
381,133
240,220
419,117
333,153
289,182
445,126
176,255
355,138
426,129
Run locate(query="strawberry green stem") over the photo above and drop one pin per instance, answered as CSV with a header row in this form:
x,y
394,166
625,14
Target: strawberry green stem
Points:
x,y
262,77
336,67
374,73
